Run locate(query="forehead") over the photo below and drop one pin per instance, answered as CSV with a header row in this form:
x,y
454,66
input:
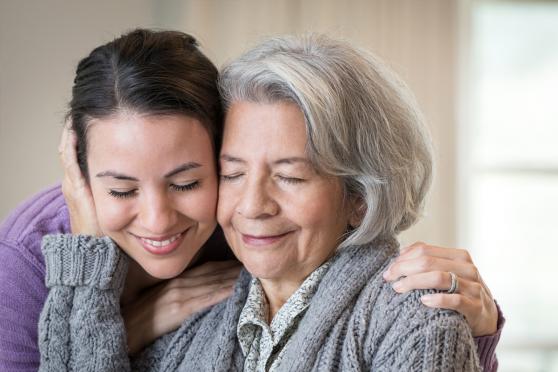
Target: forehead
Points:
x,y
264,129
147,138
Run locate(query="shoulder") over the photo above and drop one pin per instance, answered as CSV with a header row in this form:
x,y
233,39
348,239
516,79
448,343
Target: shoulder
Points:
x,y
44,213
399,330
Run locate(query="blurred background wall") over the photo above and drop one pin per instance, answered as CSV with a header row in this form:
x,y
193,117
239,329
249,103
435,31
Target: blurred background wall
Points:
x,y
42,41
450,52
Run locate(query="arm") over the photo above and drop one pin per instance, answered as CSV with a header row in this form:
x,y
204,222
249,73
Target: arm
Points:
x,y
422,266
22,292
80,326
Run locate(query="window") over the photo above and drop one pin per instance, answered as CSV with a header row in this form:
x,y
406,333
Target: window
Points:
x,y
509,174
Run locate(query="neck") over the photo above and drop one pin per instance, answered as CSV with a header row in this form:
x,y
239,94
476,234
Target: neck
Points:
x,y
136,281
277,292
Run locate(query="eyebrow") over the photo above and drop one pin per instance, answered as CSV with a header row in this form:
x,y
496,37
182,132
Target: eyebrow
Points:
x,y
232,159
291,160
119,176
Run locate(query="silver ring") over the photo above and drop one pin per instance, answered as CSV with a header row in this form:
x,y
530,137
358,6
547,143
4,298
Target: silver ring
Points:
x,y
454,283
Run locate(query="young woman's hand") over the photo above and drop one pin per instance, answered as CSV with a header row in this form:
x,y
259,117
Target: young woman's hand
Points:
x,y
423,266
83,218
163,308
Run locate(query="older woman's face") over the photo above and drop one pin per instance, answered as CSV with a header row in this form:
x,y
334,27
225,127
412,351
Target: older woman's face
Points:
x,y
281,218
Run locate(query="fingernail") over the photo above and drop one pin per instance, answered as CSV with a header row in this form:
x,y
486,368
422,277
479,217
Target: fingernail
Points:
x,y
397,286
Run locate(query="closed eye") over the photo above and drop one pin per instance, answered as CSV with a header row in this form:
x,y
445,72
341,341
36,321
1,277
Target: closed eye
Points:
x,y
291,180
122,194
230,177
186,186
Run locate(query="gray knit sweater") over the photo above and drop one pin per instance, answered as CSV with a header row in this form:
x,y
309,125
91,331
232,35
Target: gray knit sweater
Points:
x,y
355,321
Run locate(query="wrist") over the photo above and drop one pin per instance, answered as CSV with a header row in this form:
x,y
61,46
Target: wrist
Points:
x,y
81,260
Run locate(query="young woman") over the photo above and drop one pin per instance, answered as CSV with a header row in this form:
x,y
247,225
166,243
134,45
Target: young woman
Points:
x,y
146,113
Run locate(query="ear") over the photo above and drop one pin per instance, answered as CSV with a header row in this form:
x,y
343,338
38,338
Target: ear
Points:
x,y
357,211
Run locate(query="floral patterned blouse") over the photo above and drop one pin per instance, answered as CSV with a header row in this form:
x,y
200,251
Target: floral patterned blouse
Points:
x,y
262,344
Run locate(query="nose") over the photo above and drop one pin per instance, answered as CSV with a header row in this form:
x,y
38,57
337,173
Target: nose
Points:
x,y
256,200
158,214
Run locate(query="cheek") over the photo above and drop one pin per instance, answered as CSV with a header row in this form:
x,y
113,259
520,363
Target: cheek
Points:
x,y
225,207
200,206
112,214
322,215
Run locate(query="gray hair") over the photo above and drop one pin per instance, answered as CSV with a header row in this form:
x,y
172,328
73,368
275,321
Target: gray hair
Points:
x,y
362,123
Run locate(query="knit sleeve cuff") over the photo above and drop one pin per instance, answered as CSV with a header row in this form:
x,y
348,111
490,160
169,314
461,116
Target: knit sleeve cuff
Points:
x,y
81,260
486,345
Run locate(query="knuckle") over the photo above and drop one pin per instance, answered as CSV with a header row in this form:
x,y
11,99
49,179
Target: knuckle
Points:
x,y
465,255
476,289
418,246
176,308
439,279
475,274
174,295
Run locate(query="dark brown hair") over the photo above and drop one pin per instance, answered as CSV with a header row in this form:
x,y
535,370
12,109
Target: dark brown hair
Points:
x,y
148,72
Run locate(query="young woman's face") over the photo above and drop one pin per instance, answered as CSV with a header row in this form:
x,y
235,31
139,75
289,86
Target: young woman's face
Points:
x,y
154,184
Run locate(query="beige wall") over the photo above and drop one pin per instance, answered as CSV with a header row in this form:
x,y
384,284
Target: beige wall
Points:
x,y
40,45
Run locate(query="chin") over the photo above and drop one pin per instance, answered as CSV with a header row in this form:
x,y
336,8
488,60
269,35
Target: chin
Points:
x,y
164,271
268,269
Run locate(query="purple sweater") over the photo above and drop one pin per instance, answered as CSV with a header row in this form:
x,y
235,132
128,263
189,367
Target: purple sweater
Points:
x,y
22,282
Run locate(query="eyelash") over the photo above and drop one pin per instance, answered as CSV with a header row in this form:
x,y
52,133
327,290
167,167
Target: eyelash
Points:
x,y
130,193
186,187
289,180
232,177
122,194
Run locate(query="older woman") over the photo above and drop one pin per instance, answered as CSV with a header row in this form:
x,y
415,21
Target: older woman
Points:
x,y
324,161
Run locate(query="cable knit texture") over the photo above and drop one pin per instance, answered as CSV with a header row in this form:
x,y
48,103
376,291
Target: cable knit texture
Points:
x,y
88,275
354,322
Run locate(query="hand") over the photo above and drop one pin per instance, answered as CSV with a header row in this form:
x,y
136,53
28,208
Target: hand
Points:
x,y
423,266
163,308
76,190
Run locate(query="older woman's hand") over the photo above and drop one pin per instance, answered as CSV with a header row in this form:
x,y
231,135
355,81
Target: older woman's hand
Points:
x,y
81,207
423,266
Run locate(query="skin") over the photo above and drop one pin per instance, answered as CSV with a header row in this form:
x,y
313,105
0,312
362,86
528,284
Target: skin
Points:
x,y
281,218
153,180
136,189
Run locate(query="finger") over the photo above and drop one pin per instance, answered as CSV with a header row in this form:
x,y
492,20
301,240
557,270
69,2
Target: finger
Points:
x,y
422,249
204,301
204,280
426,264
457,302
63,139
174,293
210,267
70,160
439,280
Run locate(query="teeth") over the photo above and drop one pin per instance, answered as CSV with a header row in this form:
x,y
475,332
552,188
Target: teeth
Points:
x,y
162,243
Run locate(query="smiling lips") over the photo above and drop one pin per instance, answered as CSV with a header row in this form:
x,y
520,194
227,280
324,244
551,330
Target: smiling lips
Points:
x,y
262,240
162,246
